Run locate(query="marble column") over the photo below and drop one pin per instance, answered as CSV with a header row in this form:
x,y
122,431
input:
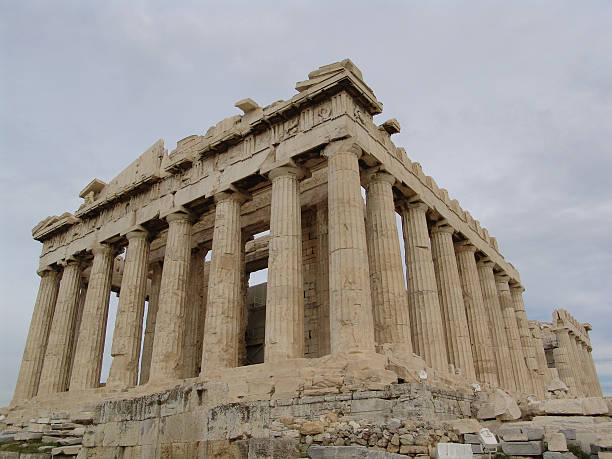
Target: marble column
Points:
x,y
38,335
193,342
284,336
585,368
597,392
224,301
517,356
478,325
153,304
516,291
90,348
323,278
501,351
167,356
128,323
562,358
538,345
389,300
350,299
454,319
579,375
77,325
425,315
55,371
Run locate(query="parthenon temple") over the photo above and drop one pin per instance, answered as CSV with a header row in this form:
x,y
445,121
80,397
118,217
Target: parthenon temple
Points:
x,y
313,190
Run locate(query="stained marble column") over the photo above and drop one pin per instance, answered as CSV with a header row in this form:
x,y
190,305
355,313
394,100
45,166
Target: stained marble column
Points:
x,y
454,317
222,325
167,357
538,345
90,347
579,374
597,392
562,358
517,356
390,303
147,346
38,335
478,325
55,371
516,291
425,315
284,336
127,335
350,300
499,339
323,278
193,341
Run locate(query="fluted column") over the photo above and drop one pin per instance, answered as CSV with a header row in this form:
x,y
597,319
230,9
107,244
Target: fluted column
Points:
x,y
167,357
517,356
147,345
562,358
480,336
323,278
538,345
90,348
424,307
585,368
38,335
284,336
450,296
390,303
501,351
55,371
579,374
193,342
350,300
128,323
222,323
597,392
516,291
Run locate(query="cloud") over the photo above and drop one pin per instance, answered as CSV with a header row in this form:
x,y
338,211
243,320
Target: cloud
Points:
x,y
506,106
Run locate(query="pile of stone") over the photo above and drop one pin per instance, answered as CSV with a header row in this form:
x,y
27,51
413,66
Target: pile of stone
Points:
x,y
60,433
407,437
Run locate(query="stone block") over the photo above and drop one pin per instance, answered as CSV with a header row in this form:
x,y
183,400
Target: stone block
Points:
x,y
562,406
477,449
594,406
512,433
570,434
27,436
556,442
465,426
523,448
370,404
276,447
471,438
350,452
8,455
499,406
453,450
555,455
533,432
35,456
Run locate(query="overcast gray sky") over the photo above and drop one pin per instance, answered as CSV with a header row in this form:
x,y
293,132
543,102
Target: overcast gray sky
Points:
x,y
508,105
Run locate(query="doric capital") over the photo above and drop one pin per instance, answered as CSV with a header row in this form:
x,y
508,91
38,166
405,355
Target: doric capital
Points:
x,y
442,226
47,271
284,171
140,233
376,175
342,146
485,262
501,278
465,246
417,205
178,216
222,196
517,287
103,249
